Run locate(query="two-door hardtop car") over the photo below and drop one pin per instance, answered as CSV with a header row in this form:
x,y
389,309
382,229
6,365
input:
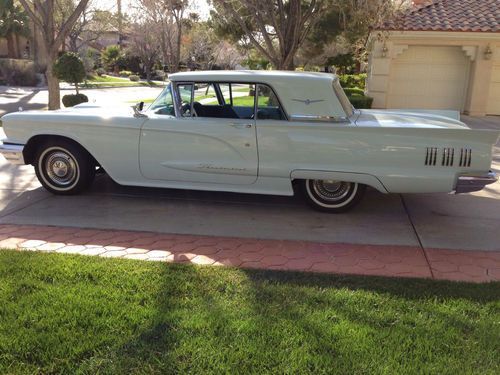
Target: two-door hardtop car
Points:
x,y
264,132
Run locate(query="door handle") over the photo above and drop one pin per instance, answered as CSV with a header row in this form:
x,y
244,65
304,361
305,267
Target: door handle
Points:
x,y
240,126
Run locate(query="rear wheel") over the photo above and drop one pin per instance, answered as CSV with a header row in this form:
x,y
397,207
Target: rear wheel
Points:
x,y
64,168
331,195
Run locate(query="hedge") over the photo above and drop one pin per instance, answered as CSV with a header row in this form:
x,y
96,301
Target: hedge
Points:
x,y
353,80
361,102
18,72
72,100
354,92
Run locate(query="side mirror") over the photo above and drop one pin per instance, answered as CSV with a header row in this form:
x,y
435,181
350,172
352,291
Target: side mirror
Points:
x,y
137,110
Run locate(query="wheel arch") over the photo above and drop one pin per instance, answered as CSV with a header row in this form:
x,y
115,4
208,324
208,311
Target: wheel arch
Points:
x,y
31,147
362,178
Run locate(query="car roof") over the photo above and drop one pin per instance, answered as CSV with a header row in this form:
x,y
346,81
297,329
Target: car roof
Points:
x,y
264,76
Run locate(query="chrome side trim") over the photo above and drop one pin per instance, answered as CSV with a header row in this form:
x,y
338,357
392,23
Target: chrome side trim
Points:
x,y
468,183
13,153
316,118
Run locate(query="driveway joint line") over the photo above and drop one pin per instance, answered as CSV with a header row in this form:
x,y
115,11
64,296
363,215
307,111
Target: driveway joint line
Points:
x,y
2,216
417,235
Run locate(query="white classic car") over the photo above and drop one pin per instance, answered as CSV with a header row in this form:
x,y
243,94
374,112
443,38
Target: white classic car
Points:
x,y
265,132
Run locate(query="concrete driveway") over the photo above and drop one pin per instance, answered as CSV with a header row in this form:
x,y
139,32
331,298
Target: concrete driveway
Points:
x,y
467,222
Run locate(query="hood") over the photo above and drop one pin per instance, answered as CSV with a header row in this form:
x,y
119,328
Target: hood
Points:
x,y
81,110
409,119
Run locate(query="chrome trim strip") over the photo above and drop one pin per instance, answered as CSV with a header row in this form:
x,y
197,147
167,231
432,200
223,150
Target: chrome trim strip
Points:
x,y
467,183
13,153
317,118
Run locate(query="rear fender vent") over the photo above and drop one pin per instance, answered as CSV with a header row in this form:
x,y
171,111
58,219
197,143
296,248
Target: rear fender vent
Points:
x,y
447,156
431,156
465,157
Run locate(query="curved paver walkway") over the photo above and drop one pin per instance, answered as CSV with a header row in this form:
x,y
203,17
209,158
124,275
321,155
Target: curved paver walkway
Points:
x,y
396,261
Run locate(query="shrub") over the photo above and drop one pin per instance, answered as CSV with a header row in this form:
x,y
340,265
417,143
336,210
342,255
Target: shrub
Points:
x,y
74,99
111,56
159,75
361,102
125,73
18,72
100,71
353,80
69,67
133,78
354,92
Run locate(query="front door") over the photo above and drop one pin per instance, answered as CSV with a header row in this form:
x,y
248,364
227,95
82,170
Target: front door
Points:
x,y
212,146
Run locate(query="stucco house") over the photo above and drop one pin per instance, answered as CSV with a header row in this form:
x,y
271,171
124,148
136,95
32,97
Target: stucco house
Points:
x,y
440,54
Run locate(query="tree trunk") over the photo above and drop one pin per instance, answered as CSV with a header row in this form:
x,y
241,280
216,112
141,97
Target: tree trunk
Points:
x,y
76,88
18,47
53,85
11,51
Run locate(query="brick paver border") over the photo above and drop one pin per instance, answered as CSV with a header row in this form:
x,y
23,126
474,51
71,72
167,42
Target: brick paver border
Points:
x,y
386,260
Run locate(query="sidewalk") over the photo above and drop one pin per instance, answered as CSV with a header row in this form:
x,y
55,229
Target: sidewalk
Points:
x,y
373,260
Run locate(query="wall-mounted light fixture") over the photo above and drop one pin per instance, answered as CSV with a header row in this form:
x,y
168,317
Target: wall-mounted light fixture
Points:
x,y
488,53
384,50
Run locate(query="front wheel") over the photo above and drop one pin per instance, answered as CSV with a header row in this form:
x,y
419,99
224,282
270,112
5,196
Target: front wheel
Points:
x,y
64,168
332,196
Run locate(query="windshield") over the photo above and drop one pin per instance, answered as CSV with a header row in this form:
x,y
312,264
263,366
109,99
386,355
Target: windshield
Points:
x,y
164,103
344,101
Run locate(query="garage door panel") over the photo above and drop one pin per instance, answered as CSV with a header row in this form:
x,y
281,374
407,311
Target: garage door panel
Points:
x,y
429,78
493,107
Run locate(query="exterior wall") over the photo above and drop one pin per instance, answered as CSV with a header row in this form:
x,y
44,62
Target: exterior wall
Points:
x,y
472,44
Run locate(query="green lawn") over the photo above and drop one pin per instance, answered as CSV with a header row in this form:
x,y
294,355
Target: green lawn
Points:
x,y
110,81
73,314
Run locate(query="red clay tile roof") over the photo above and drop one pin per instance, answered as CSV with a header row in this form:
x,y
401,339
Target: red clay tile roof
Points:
x,y
449,15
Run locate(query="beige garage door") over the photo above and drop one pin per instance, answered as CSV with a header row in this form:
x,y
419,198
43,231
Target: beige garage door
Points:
x,y
494,98
429,78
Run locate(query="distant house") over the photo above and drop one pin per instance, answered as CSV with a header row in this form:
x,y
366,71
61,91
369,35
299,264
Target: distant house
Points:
x,y
441,54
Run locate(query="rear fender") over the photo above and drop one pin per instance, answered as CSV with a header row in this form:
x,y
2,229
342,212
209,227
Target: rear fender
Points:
x,y
362,178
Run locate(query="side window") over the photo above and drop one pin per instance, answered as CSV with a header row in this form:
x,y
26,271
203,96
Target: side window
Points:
x,y
225,90
243,94
219,100
185,95
204,93
164,103
268,106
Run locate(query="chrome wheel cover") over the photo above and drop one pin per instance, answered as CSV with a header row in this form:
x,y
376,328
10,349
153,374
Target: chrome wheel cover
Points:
x,y
59,168
331,190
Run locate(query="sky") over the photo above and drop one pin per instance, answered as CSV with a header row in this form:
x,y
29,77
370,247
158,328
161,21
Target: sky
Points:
x,y
199,6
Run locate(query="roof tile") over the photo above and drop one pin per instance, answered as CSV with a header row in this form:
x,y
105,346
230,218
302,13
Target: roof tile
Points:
x,y
449,15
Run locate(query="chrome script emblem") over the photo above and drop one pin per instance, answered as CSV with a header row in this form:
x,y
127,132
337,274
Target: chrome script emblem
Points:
x,y
308,101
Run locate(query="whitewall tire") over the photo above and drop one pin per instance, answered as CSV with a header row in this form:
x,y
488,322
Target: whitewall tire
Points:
x,y
64,168
332,196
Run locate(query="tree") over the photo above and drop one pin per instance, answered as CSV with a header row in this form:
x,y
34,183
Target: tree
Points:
x,y
13,23
42,14
111,56
145,44
275,28
69,67
168,16
344,26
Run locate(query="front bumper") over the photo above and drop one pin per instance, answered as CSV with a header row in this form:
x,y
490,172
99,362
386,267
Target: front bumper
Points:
x,y
468,183
12,152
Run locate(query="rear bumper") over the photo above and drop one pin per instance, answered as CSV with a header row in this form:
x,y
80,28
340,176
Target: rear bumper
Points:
x,y
468,183
12,152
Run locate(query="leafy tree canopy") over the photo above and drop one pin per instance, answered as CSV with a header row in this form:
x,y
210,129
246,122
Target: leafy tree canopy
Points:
x,y
69,67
